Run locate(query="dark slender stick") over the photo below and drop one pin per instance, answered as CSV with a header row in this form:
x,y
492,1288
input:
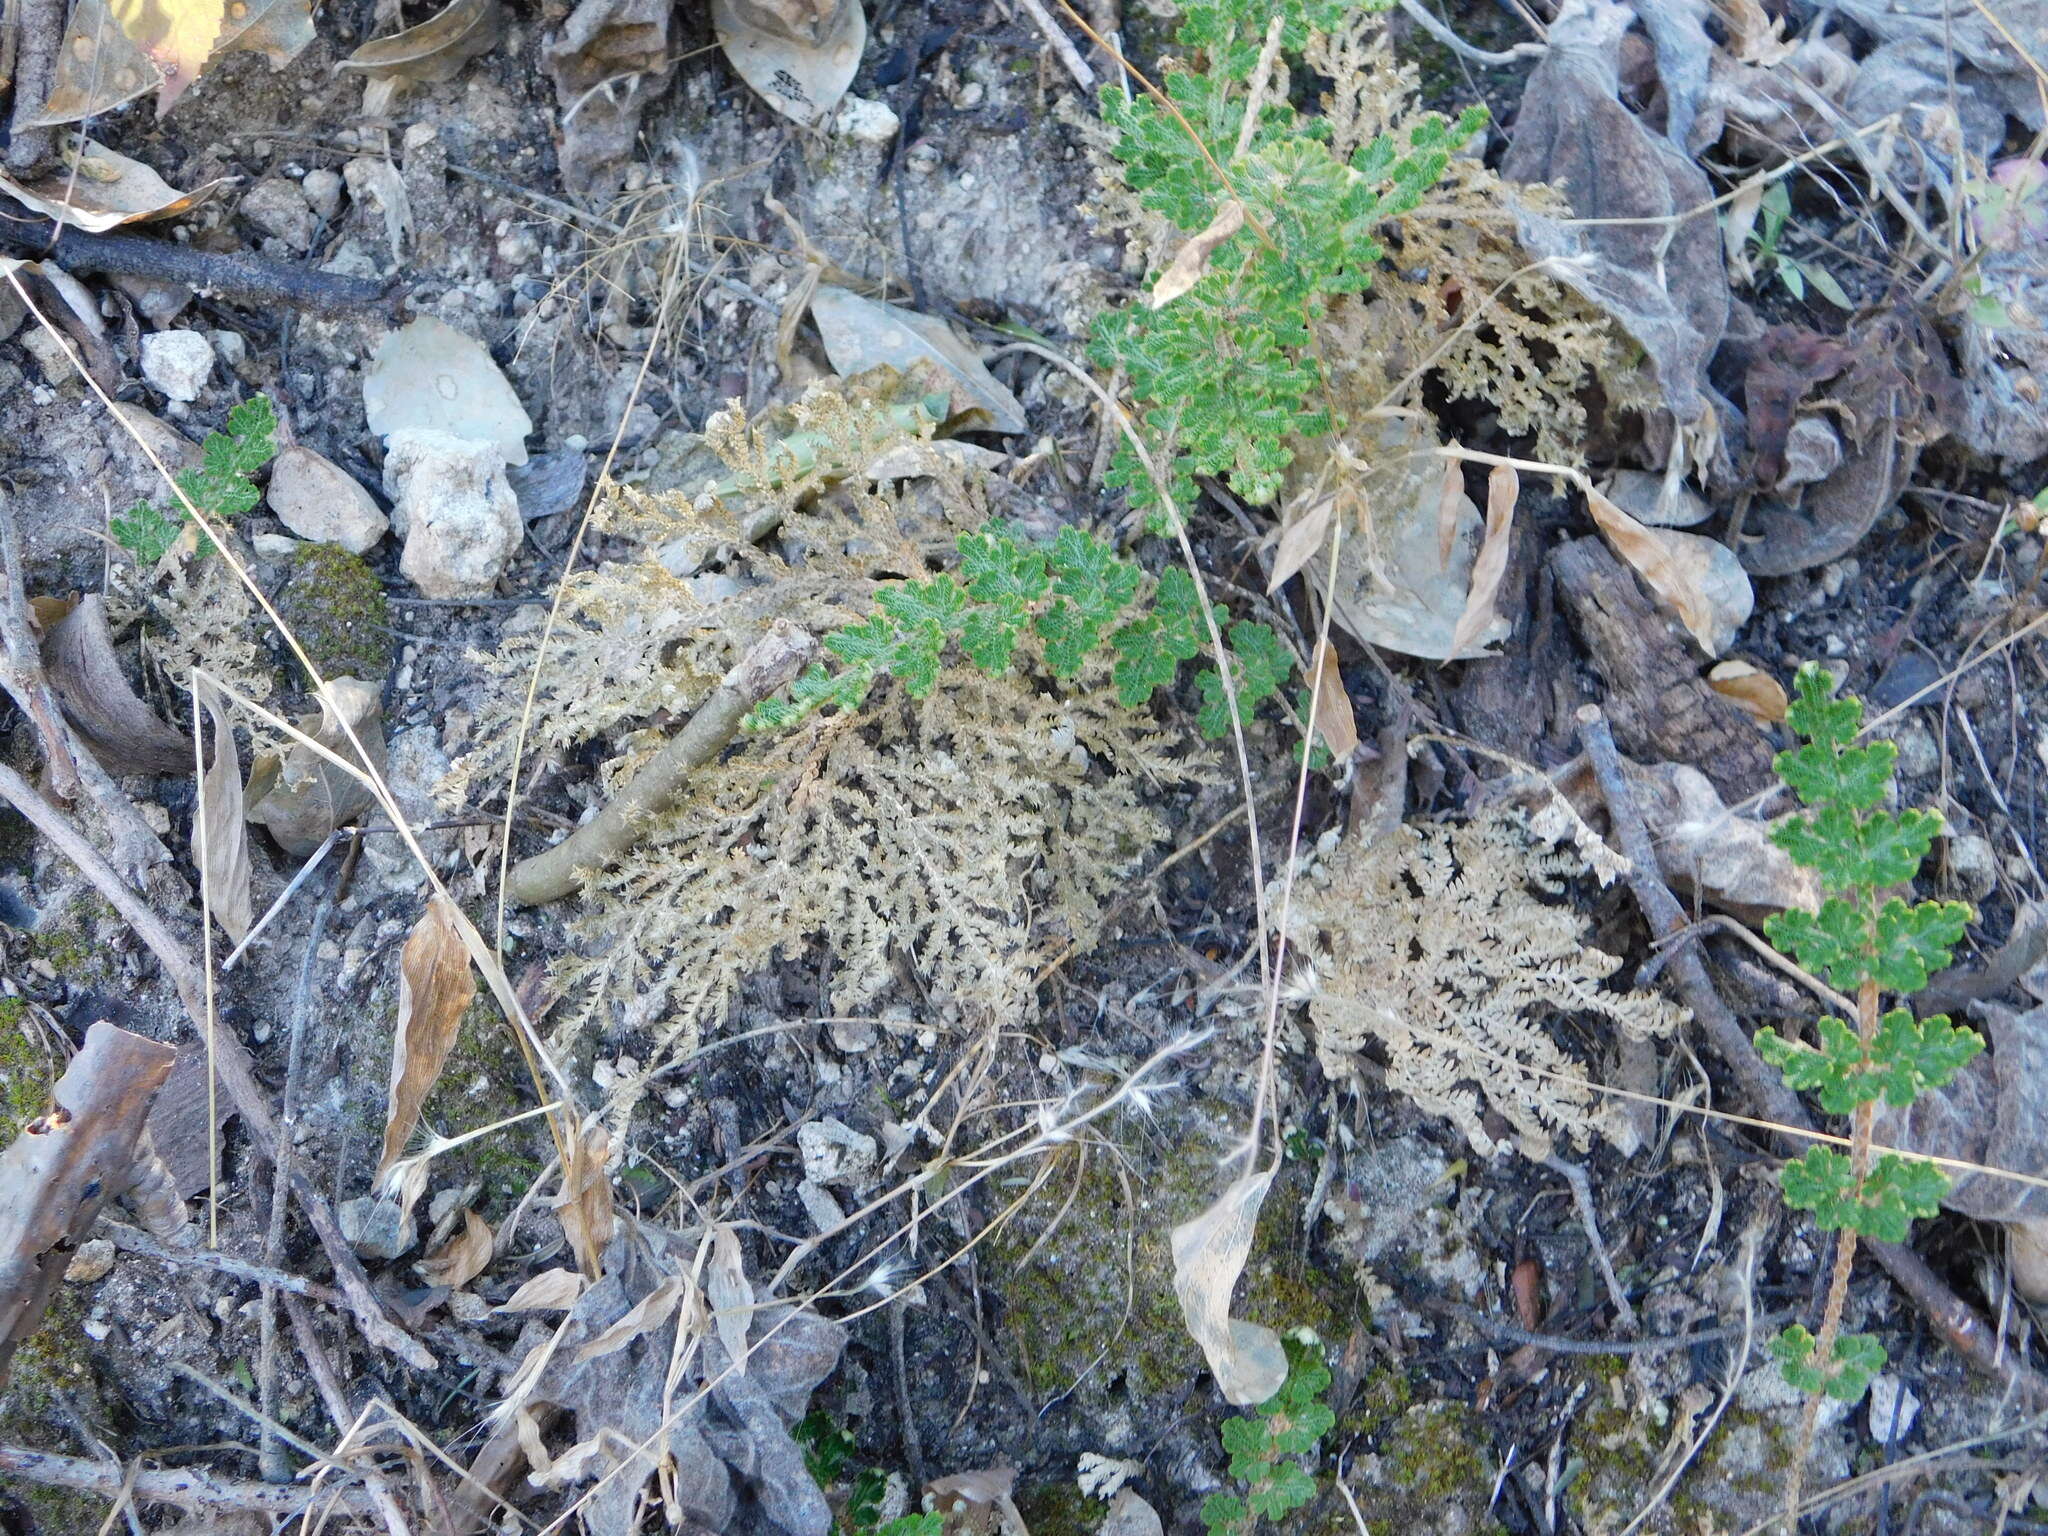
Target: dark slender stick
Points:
x,y
1763,1089
231,274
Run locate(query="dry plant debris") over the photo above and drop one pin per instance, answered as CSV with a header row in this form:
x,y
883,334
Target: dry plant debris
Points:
x,y
1438,948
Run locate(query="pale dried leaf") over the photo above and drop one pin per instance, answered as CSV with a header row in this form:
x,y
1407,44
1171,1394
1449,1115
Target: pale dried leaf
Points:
x,y
732,1298
1736,226
462,1258
1709,853
1503,489
860,334
983,1485
1700,578
223,831
431,375
102,190
436,49
302,797
435,988
1130,1515
1761,694
1334,721
552,1290
798,55
1300,539
584,1203
645,1315
1450,509
1209,1253
1191,262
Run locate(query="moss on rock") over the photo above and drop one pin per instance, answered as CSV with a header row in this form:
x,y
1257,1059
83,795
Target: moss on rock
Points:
x,y
336,606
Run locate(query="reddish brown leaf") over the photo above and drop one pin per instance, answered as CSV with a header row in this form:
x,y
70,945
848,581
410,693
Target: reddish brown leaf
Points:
x,y
434,991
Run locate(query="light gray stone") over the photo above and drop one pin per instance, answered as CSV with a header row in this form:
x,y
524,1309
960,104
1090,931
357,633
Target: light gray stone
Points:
x,y
319,500
177,362
278,206
455,508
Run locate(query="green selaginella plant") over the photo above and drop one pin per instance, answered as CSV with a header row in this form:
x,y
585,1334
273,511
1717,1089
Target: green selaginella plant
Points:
x,y
1266,1449
1061,600
1227,372
221,484
1871,944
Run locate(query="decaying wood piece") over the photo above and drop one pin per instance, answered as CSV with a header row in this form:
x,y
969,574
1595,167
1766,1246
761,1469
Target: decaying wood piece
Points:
x,y
1661,708
184,1487
64,1165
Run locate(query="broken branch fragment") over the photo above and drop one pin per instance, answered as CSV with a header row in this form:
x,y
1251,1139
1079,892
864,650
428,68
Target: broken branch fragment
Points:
x,y
775,659
64,1165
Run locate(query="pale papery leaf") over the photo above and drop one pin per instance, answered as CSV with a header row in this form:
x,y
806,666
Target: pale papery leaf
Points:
x,y
1190,263
552,1290
732,1298
435,988
1450,508
223,832
462,1258
1299,541
1335,722
1503,490
983,1485
1761,695
584,1203
1699,578
646,1315
1209,1253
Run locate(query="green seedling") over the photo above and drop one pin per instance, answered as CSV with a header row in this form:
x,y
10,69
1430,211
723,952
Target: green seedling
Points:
x,y
1267,1450
221,485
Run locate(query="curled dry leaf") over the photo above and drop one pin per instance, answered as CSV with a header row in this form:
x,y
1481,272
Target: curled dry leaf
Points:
x,y
434,991
1450,509
1209,1253
1698,577
100,66
644,1316
101,190
584,1203
428,54
731,1297
860,334
302,797
1130,1515
1761,694
124,733
462,1258
552,1290
1191,262
1503,490
1335,722
221,840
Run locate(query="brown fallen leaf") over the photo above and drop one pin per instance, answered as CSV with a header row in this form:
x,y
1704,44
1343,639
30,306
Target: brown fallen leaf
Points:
x,y
124,733
1700,578
584,1203
462,1258
1503,490
302,797
100,190
1757,692
646,1315
552,1290
1209,1253
1190,263
1335,722
1450,509
221,835
434,991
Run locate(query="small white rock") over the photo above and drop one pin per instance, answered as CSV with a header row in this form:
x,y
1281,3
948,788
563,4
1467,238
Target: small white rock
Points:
x,y
323,192
97,1329
275,546
453,504
177,362
820,1206
866,122
319,500
1893,1407
834,1152
1972,865
278,206
91,1262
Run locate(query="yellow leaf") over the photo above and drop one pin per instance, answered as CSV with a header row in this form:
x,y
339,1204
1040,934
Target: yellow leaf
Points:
x,y
178,36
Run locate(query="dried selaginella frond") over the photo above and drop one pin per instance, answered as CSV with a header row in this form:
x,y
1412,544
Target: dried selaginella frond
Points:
x,y
1436,946
957,839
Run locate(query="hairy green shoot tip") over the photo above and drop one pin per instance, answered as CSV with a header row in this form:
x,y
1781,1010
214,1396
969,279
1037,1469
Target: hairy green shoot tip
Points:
x,y
222,484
